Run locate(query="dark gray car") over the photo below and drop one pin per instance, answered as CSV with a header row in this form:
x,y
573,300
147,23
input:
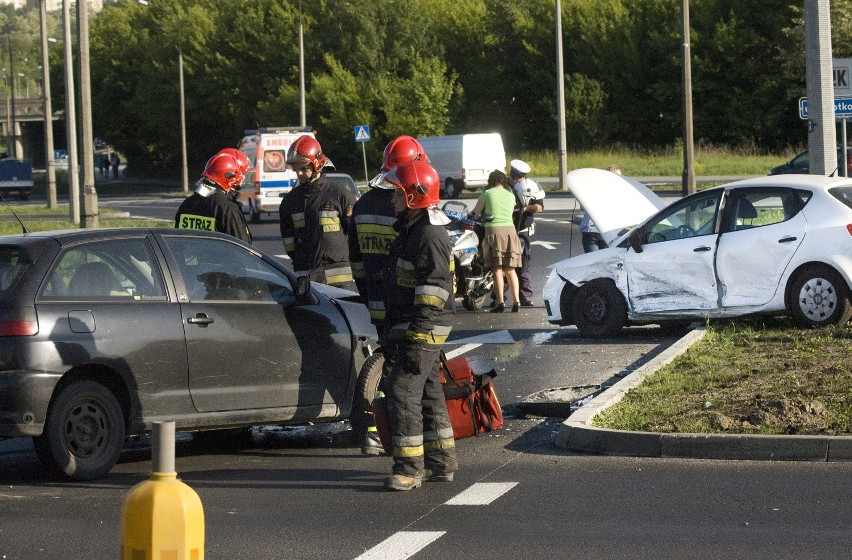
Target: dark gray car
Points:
x,y
103,332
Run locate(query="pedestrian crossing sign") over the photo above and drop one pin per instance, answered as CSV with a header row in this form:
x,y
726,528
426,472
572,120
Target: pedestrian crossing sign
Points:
x,y
362,133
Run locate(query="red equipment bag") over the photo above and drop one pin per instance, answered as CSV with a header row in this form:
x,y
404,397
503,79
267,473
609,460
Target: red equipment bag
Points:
x,y
471,402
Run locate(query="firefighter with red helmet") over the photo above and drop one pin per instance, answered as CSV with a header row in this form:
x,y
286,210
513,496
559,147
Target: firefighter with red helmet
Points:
x,y
214,206
315,217
370,238
420,306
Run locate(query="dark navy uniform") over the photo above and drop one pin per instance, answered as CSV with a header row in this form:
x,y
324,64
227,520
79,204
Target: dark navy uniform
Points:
x,y
213,212
315,221
420,309
370,241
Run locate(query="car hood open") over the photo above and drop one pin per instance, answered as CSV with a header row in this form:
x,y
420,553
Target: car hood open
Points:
x,y
614,202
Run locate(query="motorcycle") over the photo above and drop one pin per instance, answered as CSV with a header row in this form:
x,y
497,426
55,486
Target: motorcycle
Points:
x,y
474,280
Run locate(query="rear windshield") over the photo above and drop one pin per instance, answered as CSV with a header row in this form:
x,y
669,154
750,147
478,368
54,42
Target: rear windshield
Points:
x,y
12,265
843,194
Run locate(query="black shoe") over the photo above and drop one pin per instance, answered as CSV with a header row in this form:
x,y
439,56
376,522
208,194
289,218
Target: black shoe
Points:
x,y
527,303
497,308
516,307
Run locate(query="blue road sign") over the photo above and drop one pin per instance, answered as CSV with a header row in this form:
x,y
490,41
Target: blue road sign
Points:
x,y
842,107
362,133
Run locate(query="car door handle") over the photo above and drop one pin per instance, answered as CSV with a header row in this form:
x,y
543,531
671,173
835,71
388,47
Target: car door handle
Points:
x,y
787,239
702,249
200,319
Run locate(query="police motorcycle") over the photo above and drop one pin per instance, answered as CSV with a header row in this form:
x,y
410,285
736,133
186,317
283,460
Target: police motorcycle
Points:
x,y
474,280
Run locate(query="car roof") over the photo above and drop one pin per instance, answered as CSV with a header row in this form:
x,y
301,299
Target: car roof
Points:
x,y
803,181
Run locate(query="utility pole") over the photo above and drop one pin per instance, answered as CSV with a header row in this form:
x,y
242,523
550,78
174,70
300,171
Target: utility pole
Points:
x,y
822,142
48,111
13,135
71,120
560,78
688,178
90,195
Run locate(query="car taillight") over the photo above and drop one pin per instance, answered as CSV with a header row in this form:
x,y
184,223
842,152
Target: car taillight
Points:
x,y
849,228
18,322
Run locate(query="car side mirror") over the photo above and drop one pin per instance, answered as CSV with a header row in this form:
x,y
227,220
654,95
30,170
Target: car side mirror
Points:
x,y
303,286
636,241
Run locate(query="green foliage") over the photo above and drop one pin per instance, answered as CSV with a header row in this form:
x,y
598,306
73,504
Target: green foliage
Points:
x,y
434,67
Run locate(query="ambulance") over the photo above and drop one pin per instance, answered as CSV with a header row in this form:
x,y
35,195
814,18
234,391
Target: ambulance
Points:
x,y
266,149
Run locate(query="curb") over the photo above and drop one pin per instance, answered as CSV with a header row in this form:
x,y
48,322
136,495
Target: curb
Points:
x,y
577,434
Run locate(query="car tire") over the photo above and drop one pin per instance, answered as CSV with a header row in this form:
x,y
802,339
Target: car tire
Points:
x,y
83,432
450,188
599,309
254,214
473,303
365,391
818,297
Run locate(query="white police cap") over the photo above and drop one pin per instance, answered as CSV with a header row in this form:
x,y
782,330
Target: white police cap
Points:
x,y
520,166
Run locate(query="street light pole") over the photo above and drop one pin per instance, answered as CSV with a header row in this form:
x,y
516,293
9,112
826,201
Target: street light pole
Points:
x,y
184,171
13,136
304,120
90,195
70,120
688,177
560,78
8,111
48,111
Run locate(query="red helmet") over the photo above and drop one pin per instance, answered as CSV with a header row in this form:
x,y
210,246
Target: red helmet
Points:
x,y
224,171
400,149
418,180
243,162
306,151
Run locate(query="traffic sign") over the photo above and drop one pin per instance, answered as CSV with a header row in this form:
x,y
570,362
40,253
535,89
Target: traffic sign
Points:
x,y
362,133
842,107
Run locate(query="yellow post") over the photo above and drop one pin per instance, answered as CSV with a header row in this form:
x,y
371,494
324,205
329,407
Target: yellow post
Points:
x,y
162,518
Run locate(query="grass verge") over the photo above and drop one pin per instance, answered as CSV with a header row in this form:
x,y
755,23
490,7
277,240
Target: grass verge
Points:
x,y
747,377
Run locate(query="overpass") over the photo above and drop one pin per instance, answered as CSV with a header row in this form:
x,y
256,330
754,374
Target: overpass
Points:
x,y
29,128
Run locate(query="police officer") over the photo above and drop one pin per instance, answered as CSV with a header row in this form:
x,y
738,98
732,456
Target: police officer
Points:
x,y
420,305
213,206
530,197
315,218
370,238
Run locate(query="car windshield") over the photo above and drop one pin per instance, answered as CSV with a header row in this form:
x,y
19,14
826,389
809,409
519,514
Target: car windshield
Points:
x,y
12,264
843,194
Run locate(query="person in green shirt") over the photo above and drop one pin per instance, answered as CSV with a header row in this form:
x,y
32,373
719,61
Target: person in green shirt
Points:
x,y
501,248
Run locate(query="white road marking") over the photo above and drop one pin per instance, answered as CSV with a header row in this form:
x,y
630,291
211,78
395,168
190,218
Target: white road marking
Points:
x,y
481,494
402,545
285,257
546,244
461,350
499,337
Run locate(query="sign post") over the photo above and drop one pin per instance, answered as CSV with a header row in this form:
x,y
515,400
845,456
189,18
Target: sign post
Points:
x,y
362,135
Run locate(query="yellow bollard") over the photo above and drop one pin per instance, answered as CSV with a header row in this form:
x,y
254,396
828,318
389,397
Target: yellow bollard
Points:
x,y
162,518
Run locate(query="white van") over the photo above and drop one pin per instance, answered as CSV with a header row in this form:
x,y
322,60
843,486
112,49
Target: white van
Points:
x,y
266,149
464,161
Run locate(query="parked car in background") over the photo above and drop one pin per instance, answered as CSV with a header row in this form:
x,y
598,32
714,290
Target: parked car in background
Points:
x,y
104,332
345,181
802,164
760,246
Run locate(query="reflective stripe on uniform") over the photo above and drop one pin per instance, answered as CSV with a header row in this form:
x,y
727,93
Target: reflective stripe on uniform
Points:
x,y
408,452
298,219
377,309
329,220
338,275
443,443
357,269
430,295
405,275
289,244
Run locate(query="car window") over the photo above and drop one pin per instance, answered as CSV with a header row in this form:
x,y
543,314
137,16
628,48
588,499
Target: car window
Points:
x,y
750,208
690,218
12,265
843,194
216,270
106,270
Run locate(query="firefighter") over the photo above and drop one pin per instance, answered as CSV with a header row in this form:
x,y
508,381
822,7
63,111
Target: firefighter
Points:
x,y
419,303
370,239
315,218
214,206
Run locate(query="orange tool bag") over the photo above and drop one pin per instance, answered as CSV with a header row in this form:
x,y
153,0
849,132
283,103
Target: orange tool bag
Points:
x,y
471,402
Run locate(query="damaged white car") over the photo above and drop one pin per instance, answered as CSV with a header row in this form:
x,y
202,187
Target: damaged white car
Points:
x,y
770,245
